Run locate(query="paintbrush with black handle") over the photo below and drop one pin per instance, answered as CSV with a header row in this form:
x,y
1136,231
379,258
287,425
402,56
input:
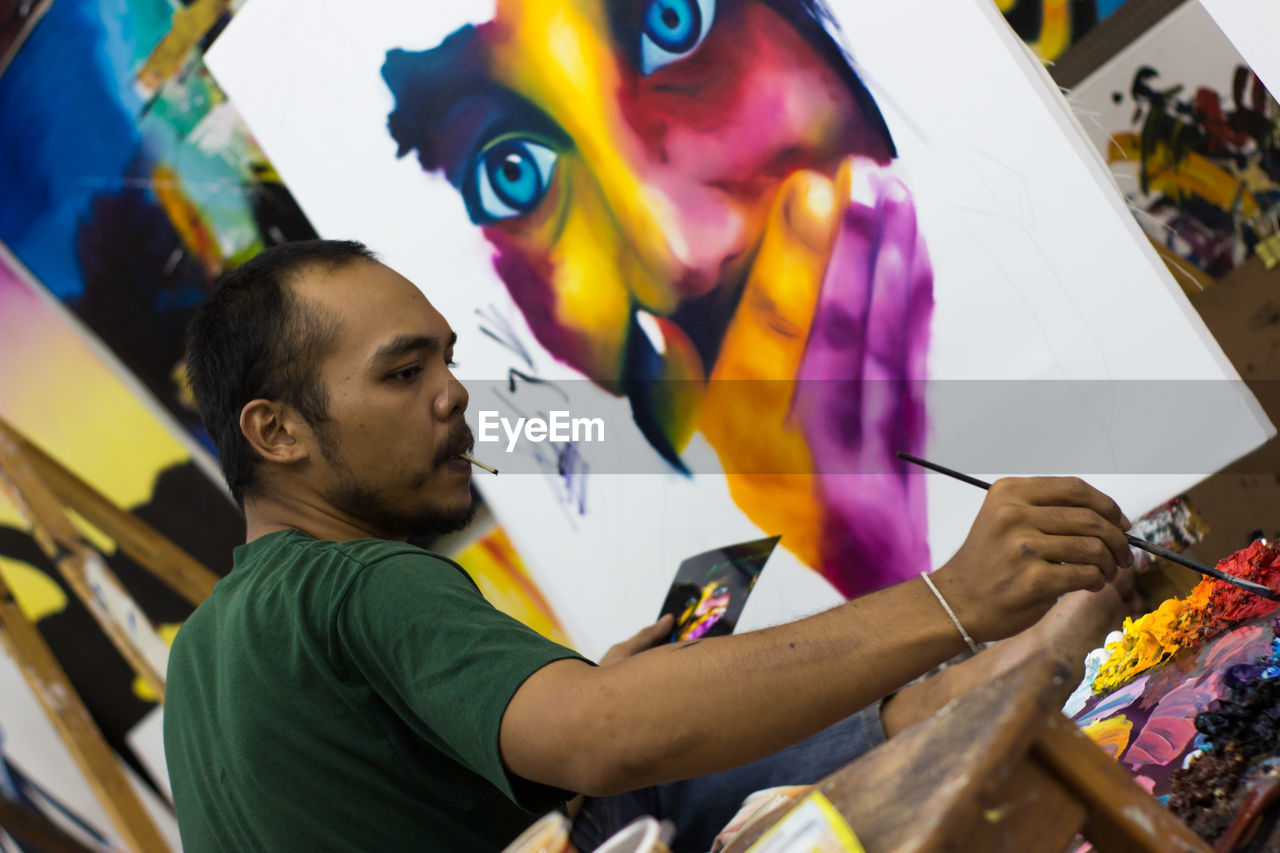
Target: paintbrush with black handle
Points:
x,y
1151,548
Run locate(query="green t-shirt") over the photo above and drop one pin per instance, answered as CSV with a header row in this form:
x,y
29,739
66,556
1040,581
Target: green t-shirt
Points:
x,y
347,696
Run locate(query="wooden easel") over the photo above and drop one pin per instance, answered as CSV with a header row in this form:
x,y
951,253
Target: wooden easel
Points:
x,y
999,769
43,492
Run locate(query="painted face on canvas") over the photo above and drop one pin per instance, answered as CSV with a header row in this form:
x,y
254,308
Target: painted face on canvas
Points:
x,y
664,183
707,610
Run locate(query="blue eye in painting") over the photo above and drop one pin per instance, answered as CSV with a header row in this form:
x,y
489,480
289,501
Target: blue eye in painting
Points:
x,y
512,176
670,30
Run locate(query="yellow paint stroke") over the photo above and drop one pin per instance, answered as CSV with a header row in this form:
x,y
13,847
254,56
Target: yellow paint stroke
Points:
x,y
1112,734
37,594
1055,30
189,25
497,569
752,382
553,53
70,403
1193,174
196,235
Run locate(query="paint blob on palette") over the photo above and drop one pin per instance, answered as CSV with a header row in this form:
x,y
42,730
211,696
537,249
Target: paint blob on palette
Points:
x,y
1187,695
1212,608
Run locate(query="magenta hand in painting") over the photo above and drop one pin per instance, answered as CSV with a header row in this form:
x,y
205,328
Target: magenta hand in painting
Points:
x,y
861,387
662,183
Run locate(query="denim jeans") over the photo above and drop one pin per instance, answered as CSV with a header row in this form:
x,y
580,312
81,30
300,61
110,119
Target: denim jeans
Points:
x,y
701,807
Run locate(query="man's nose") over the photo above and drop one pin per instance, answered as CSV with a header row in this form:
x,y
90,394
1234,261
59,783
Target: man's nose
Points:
x,y
453,401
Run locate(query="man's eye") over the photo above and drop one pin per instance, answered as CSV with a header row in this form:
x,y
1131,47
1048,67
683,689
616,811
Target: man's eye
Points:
x,y
673,29
512,176
406,374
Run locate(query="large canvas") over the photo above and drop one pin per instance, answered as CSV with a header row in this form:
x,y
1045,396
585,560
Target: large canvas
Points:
x,y
1192,138
1251,25
767,244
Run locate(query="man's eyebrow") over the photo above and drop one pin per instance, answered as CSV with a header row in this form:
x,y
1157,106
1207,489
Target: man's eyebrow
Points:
x,y
405,344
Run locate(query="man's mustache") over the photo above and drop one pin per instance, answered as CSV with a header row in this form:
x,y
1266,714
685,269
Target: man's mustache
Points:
x,y
460,440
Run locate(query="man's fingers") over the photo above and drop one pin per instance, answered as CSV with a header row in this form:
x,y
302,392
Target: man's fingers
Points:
x,y
651,635
1066,491
645,638
1080,550
1126,583
1073,576
1079,521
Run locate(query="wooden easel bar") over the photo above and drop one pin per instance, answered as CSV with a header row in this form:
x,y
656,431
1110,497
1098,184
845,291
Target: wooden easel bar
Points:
x,y
1105,788
998,769
72,721
144,544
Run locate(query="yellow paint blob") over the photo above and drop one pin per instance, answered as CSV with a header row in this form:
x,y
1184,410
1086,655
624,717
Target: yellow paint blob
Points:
x,y
37,594
1112,734
1147,641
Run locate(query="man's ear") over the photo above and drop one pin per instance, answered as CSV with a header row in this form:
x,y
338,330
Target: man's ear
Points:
x,y
274,431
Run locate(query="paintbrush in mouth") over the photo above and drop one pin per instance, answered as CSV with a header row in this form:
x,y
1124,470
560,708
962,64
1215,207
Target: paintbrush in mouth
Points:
x,y
478,463
1150,547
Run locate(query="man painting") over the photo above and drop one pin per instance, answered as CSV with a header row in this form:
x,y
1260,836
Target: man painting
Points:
x,y
343,689
694,203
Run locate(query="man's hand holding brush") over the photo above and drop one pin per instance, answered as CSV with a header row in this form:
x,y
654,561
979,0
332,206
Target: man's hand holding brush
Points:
x,y
1033,541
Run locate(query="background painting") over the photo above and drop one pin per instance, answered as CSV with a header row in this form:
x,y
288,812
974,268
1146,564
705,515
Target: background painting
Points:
x,y
1004,204
1192,138
130,181
1050,27
71,399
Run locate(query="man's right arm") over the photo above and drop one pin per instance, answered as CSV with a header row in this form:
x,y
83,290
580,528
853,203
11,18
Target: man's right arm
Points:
x,y
683,710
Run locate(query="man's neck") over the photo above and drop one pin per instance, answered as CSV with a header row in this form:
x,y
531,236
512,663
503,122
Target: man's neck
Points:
x,y
265,515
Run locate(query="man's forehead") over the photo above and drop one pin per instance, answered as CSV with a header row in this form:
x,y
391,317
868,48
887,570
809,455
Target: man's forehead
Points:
x,y
374,305
356,286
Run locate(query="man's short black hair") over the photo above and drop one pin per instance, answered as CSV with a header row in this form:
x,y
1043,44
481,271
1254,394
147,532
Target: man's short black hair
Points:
x,y
255,338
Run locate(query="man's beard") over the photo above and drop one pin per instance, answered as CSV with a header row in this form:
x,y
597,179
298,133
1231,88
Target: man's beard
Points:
x,y
356,499
367,504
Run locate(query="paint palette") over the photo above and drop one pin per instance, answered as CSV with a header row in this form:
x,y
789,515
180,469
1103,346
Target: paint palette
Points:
x,y
1192,708
1149,723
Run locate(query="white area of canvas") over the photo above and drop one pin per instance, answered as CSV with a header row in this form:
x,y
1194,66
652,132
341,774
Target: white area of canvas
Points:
x,y
146,739
1254,28
1040,271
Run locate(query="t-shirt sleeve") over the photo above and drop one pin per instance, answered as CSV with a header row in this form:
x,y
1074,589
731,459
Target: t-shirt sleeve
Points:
x,y
431,645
